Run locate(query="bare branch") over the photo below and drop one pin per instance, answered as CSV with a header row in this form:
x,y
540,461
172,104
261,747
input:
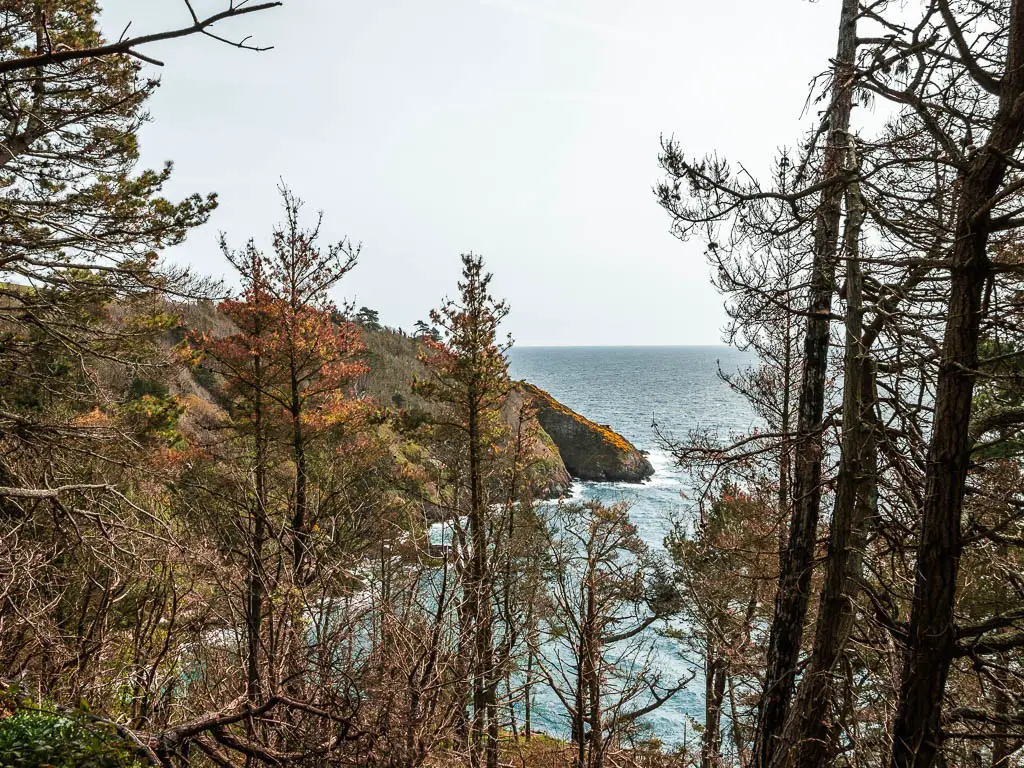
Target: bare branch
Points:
x,y
127,45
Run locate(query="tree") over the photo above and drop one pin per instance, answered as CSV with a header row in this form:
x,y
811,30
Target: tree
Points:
x,y
983,186
301,444
792,595
926,277
240,358
606,592
718,197
725,569
369,319
805,739
317,356
423,329
292,352
468,379
80,225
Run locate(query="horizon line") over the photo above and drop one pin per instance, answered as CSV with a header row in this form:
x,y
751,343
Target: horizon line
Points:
x,y
623,346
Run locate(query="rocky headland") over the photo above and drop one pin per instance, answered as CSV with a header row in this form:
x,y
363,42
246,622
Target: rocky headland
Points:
x,y
589,451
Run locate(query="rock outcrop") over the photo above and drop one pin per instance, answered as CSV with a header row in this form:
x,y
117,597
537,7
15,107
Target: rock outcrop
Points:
x,y
549,476
589,451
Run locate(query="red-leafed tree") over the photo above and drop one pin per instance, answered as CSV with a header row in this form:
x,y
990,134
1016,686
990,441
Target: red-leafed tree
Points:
x,y
241,358
285,369
310,356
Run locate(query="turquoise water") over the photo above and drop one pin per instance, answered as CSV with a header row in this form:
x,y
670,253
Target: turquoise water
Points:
x,y
628,388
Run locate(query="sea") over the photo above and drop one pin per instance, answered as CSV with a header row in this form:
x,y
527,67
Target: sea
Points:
x,y
632,389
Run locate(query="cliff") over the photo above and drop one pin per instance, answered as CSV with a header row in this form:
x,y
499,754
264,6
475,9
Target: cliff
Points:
x,y
589,451
569,446
393,362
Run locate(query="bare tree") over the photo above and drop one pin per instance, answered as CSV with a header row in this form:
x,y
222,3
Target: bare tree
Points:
x,y
606,594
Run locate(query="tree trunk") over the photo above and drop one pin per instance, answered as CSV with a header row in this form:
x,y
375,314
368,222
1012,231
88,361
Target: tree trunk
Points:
x,y
1002,747
484,742
593,677
785,446
579,717
797,562
299,456
714,700
917,734
737,731
256,588
466,665
805,737
528,680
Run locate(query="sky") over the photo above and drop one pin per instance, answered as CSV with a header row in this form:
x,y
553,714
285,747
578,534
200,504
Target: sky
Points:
x,y
526,131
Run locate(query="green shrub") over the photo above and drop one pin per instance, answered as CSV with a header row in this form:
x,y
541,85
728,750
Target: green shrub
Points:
x,y
139,388
205,378
155,417
34,739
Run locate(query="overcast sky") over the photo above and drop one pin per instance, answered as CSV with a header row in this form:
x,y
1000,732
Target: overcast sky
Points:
x,y
523,130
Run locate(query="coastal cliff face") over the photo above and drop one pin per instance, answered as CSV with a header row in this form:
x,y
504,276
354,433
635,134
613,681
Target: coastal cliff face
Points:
x,y
568,444
394,363
589,451
550,478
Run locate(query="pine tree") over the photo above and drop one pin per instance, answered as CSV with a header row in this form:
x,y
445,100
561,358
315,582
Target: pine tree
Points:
x,y
469,381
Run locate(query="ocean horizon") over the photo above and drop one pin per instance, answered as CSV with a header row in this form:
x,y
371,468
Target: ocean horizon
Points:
x,y
625,346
